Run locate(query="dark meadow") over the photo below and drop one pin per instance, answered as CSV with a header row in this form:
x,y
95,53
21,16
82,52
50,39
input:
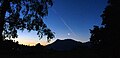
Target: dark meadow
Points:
x,y
104,40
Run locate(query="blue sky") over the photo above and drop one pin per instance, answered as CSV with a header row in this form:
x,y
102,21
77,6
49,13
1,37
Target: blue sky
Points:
x,y
69,19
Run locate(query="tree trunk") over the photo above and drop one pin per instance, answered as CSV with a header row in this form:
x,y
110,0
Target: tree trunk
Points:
x,y
3,10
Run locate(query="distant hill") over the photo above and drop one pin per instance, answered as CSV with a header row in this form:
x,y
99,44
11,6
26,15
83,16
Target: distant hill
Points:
x,y
64,45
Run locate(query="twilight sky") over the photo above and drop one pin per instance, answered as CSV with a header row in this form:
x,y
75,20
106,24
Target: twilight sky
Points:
x,y
68,19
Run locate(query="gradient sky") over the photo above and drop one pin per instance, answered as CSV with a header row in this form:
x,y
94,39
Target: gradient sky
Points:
x,y
68,19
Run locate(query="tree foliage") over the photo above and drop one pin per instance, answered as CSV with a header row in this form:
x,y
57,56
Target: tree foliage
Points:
x,y
24,15
109,32
107,37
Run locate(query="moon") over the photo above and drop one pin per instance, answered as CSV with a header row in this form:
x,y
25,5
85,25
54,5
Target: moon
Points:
x,y
68,34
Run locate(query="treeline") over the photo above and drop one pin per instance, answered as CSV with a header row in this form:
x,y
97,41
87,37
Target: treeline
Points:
x,y
107,38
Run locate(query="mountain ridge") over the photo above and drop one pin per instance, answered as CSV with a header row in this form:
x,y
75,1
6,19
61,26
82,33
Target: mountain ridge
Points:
x,y
64,45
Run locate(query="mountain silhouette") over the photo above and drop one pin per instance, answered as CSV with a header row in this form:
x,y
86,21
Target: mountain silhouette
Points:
x,y
64,45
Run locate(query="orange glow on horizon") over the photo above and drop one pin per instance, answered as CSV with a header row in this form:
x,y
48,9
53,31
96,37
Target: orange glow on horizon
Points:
x,y
31,42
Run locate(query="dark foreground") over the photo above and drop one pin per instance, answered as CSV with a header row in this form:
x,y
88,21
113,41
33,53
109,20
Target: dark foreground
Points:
x,y
10,49
31,53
